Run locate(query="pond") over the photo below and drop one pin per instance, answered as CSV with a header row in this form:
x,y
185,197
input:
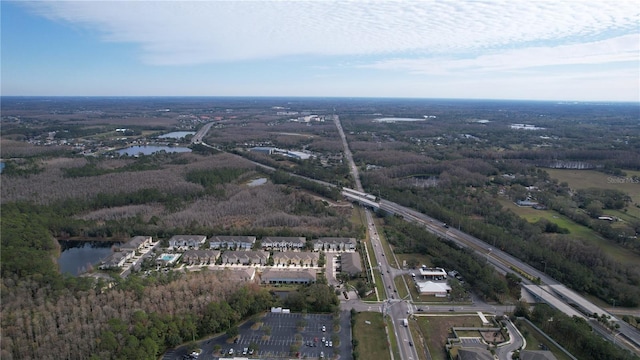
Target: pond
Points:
x,y
177,134
394,119
150,149
78,257
257,182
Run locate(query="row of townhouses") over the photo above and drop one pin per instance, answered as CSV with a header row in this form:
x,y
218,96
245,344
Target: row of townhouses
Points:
x,y
270,276
127,251
266,243
243,255
251,257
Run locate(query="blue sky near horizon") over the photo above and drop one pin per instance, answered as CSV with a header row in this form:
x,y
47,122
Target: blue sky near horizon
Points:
x,y
542,50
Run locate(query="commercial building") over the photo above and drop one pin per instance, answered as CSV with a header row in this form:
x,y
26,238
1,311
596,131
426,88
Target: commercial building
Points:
x,y
288,276
438,289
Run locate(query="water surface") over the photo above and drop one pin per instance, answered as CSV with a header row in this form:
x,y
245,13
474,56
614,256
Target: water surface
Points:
x,y
78,257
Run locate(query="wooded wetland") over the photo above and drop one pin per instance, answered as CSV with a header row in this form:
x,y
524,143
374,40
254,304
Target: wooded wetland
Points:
x,y
556,185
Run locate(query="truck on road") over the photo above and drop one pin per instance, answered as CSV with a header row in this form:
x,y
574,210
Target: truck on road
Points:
x,y
405,322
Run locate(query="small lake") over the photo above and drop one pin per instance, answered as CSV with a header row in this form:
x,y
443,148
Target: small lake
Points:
x,y
78,257
151,149
393,119
177,134
257,182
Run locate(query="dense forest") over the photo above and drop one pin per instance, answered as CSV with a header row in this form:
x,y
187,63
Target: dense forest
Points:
x,y
46,315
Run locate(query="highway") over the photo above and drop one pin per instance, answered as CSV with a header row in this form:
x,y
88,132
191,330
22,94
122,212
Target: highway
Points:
x,y
630,337
197,137
396,310
626,336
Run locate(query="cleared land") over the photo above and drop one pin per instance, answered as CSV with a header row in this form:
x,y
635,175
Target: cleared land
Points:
x,y
584,179
436,330
576,230
534,339
369,331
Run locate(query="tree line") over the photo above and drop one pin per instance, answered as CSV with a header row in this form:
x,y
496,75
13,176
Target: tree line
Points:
x,y
410,238
574,333
574,262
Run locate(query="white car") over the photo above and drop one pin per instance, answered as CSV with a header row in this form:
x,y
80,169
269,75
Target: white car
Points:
x,y
330,343
324,328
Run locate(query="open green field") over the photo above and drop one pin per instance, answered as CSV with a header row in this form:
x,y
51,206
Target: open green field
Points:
x,y
583,179
532,215
369,331
417,298
534,339
421,259
436,330
377,276
392,338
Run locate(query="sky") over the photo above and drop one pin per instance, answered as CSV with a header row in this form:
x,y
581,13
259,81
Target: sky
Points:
x,y
558,50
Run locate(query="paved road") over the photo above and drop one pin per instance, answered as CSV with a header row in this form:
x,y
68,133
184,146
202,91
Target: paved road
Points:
x,y
396,310
502,261
515,342
499,259
197,137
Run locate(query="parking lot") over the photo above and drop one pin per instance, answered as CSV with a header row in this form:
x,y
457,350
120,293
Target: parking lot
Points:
x,y
275,335
472,341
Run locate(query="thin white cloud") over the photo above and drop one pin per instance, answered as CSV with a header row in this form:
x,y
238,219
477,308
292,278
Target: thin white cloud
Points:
x,y
616,50
196,32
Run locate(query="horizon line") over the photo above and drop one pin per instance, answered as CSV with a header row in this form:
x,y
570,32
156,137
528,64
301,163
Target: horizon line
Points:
x,y
319,97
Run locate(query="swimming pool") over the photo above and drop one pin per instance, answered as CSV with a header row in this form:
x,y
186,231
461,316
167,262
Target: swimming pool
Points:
x,y
169,258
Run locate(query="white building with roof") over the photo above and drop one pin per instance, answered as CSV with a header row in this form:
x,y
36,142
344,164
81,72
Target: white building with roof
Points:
x,y
438,289
232,242
191,241
288,276
137,243
432,273
283,242
334,244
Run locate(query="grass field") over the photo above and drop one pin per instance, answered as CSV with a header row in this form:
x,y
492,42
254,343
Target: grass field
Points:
x,y
436,330
421,259
534,339
583,179
392,338
369,331
532,215
376,273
